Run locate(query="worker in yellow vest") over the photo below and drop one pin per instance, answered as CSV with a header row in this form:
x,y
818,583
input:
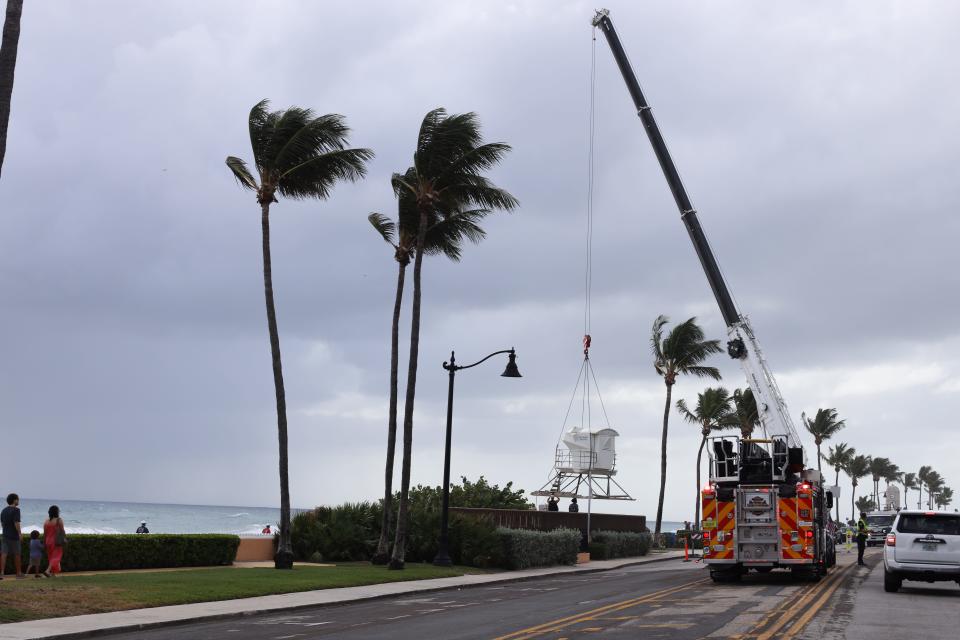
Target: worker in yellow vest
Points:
x,y
861,537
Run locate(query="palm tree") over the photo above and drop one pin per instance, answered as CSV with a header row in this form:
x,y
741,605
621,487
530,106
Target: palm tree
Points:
x,y
865,504
446,177
909,482
681,352
839,457
934,484
746,411
878,468
945,497
444,235
822,427
922,478
8,64
858,467
296,155
712,413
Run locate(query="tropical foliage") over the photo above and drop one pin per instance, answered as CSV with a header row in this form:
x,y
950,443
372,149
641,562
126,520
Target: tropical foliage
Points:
x,y
865,504
839,457
682,351
745,406
858,467
823,426
296,155
712,413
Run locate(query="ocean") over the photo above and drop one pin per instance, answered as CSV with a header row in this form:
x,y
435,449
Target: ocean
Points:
x,y
89,516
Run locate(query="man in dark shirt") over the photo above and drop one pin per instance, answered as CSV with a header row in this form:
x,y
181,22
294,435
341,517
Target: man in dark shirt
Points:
x,y
862,533
10,542
143,527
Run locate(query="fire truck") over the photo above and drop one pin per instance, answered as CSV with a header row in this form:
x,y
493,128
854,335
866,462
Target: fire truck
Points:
x,y
762,508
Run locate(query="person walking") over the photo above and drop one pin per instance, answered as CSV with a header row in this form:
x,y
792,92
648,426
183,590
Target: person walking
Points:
x,y
10,543
54,539
861,537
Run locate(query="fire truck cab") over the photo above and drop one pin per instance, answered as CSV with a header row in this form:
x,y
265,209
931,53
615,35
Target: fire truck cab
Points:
x,y
762,510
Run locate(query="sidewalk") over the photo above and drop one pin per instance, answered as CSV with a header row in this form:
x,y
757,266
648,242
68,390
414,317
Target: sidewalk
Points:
x,y
103,623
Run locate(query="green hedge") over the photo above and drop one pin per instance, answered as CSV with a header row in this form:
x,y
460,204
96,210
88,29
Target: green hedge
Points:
x,y
522,548
606,545
97,552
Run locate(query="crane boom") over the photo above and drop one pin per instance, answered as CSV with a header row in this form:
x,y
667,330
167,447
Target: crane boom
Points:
x,y
743,345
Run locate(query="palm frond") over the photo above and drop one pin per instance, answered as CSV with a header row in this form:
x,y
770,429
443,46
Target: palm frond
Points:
x,y
258,124
314,178
656,338
703,372
241,173
316,136
385,227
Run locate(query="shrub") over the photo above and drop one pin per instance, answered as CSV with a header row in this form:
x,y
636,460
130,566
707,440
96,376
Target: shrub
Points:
x,y
621,544
99,552
343,533
598,551
523,548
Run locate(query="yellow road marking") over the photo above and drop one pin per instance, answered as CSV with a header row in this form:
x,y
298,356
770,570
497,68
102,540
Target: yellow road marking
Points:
x,y
556,625
805,600
817,606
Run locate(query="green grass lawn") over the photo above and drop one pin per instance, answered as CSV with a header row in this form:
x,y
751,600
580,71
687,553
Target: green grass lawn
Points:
x,y
68,595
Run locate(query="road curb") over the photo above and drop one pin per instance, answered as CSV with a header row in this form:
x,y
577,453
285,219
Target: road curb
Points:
x,y
218,617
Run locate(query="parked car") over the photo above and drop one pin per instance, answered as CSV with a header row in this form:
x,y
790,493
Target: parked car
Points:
x,y
879,524
922,546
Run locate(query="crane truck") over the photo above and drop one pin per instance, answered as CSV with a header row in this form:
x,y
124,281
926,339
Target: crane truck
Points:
x,y
762,508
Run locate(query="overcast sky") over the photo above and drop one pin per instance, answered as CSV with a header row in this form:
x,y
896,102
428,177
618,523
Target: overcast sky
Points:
x,y
819,142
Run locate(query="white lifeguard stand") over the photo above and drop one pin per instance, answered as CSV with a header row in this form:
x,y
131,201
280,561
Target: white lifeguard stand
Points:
x,y
584,466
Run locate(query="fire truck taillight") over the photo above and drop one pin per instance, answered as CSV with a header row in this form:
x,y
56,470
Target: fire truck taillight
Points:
x,y
891,539
809,534
706,535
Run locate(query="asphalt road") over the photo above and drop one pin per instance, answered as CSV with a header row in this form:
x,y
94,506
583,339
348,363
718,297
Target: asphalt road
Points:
x,y
667,599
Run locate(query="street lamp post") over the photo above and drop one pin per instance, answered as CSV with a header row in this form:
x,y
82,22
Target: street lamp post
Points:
x,y
443,554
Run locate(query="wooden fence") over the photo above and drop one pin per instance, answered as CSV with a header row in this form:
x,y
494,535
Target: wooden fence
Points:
x,y
546,520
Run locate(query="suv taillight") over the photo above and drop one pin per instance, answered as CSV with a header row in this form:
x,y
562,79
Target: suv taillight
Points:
x,y
891,539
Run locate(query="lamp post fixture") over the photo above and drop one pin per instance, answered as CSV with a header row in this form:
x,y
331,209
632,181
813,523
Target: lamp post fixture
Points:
x,y
443,555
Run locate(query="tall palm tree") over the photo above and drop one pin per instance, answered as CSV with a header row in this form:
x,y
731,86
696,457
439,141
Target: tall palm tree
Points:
x,y
745,406
858,467
446,177
934,484
822,426
8,64
922,480
712,413
909,482
681,352
445,236
879,468
839,457
297,155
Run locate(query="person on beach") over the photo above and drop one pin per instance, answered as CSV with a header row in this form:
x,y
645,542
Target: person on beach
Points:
x,y
10,543
54,538
143,527
36,553
266,530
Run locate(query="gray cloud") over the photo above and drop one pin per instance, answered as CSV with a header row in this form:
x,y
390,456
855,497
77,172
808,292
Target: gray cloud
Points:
x,y
818,144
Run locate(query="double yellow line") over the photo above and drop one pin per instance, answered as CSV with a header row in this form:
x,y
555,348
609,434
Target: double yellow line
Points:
x,y
799,611
562,623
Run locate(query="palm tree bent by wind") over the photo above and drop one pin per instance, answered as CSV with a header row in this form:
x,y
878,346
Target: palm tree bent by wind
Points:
x,y
681,352
858,467
297,155
712,413
444,236
839,458
446,178
822,427
745,406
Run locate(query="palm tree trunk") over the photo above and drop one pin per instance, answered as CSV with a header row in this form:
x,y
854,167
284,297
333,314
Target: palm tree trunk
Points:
x,y
8,63
853,492
400,540
383,547
663,460
696,510
284,557
837,484
818,460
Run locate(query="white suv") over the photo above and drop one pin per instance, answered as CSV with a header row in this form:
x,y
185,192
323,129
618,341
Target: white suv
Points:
x,y
923,546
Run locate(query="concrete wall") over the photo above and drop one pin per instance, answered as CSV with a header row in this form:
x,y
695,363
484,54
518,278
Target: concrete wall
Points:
x,y
255,549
